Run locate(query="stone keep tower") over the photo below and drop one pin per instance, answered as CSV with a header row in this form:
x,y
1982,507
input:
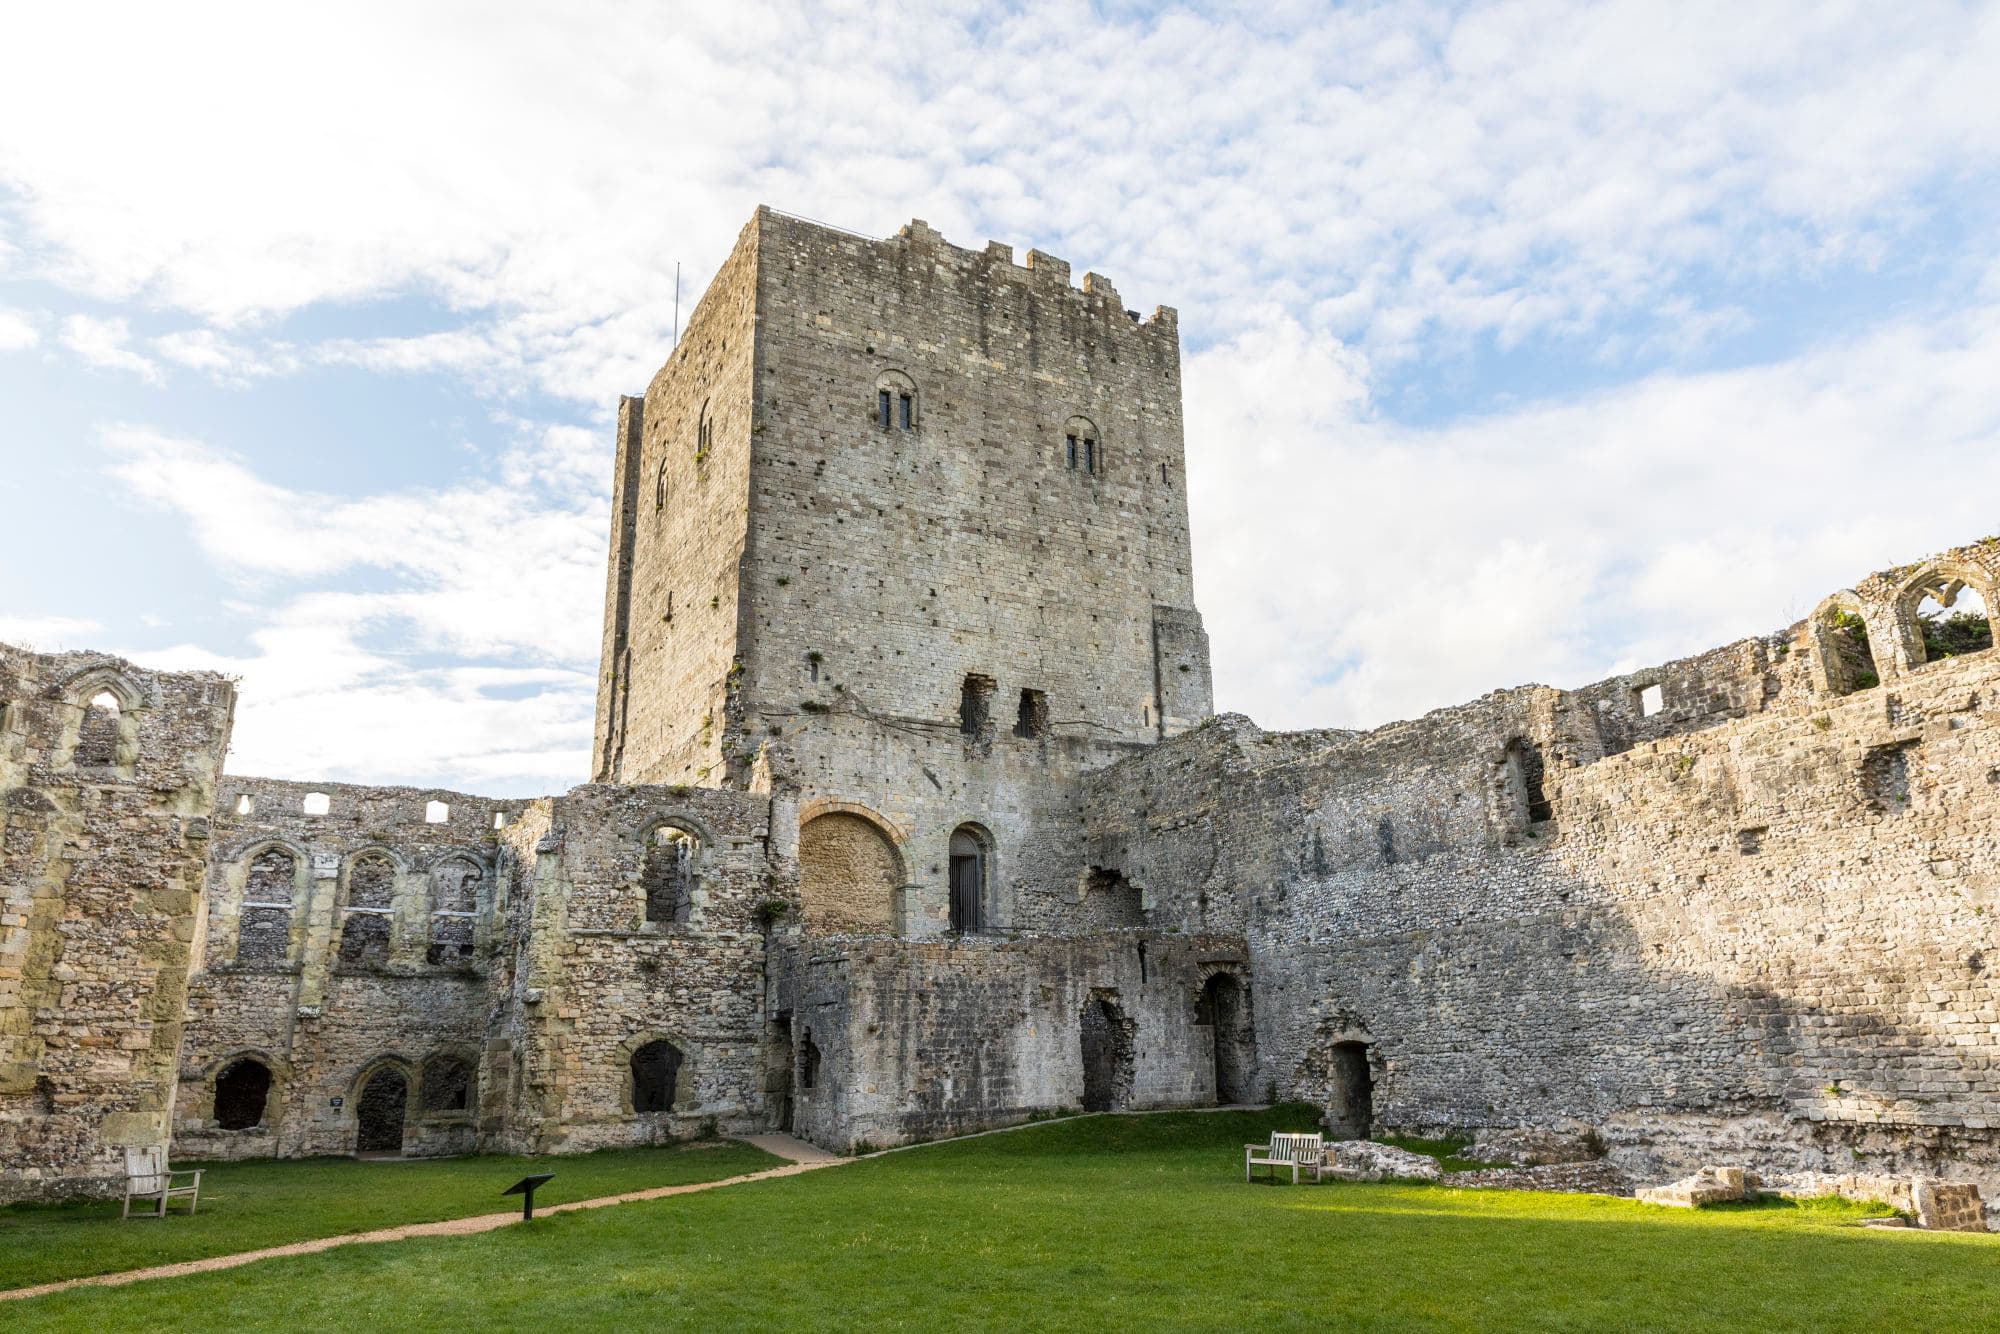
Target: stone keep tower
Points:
x,y
920,512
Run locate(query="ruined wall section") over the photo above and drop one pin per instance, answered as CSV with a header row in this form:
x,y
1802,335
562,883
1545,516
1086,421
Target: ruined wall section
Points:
x,y
915,1040
597,981
106,832
340,943
677,543
1762,931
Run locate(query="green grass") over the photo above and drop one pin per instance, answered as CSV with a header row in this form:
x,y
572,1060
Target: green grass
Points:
x,y
246,1206
1448,1152
1135,1222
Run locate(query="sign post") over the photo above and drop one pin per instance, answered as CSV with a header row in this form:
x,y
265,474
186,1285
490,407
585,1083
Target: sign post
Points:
x,y
525,1188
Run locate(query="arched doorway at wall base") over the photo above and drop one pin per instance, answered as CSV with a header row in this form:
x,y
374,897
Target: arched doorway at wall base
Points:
x,y
1350,1111
1224,1009
380,1111
1106,1038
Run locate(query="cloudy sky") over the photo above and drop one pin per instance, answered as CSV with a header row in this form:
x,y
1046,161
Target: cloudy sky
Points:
x,y
1524,341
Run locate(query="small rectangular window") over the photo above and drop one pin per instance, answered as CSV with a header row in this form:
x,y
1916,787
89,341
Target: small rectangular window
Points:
x,y
1651,700
1072,452
436,812
1090,456
316,803
909,411
882,404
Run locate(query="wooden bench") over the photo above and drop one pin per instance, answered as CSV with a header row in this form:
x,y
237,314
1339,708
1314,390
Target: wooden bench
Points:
x,y
1293,1151
149,1179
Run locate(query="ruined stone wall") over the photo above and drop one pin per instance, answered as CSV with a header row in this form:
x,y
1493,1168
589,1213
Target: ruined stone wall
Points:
x,y
340,944
106,829
678,529
1757,923
918,1039
593,981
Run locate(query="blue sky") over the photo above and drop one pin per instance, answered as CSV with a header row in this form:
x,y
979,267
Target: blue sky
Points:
x,y
1526,341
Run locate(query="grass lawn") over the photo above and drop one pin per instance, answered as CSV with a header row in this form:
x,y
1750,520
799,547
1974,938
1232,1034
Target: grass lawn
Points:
x,y
1122,1222
245,1206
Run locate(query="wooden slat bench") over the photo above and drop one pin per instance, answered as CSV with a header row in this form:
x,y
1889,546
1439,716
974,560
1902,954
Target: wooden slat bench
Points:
x,y
1293,1151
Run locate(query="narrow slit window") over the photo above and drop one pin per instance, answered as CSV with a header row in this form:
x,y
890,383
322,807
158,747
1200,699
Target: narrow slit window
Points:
x,y
1072,453
882,406
1090,456
909,403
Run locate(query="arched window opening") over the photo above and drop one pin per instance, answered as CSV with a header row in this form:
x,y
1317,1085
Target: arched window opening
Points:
x,y
380,1111
656,1070
660,487
704,428
447,1084
968,879
244,805
240,1094
670,874
849,874
1850,653
454,911
1953,620
1032,719
895,402
364,927
1081,449
264,930
97,735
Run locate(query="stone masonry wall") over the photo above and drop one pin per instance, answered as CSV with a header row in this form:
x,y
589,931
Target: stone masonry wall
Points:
x,y
1754,925
322,1015
106,829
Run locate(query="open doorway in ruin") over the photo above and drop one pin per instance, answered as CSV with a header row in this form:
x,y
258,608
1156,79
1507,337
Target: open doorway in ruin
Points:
x,y
1107,1053
1225,1009
1350,1108
380,1111
782,1059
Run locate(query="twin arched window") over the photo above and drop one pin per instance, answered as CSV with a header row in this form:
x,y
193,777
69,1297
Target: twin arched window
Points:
x,y
895,402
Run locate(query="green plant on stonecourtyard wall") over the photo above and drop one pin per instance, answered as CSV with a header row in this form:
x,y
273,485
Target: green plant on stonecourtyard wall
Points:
x,y
1947,635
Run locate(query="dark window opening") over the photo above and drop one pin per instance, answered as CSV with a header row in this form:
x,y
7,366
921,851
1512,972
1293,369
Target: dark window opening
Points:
x,y
1524,760
1033,718
909,406
1072,453
240,1094
1089,455
809,1064
968,881
975,705
1105,1035
380,1111
1351,1098
1385,835
1224,1007
447,1085
660,487
882,407
656,1070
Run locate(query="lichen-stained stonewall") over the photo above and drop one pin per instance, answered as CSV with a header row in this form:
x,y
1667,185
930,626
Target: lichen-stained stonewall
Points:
x,y
909,817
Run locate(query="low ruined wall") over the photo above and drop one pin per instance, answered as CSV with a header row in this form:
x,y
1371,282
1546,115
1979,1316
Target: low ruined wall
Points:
x,y
106,830
921,1039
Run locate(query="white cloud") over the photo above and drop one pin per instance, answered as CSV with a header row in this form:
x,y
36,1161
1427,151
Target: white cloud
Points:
x,y
102,342
48,634
436,675
223,360
1389,173
17,331
1353,571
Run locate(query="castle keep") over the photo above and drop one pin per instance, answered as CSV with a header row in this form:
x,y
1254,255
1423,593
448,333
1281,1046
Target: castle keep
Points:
x,y
909,816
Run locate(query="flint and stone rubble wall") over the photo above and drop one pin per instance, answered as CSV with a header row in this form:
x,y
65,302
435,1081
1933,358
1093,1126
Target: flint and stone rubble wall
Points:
x,y
106,832
1757,926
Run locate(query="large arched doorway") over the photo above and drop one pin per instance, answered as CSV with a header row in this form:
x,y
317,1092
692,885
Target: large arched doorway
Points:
x,y
1106,1036
241,1092
380,1111
1225,1009
849,873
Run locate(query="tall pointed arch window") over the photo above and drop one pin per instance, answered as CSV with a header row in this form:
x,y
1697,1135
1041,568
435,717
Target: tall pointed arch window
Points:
x,y
895,402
